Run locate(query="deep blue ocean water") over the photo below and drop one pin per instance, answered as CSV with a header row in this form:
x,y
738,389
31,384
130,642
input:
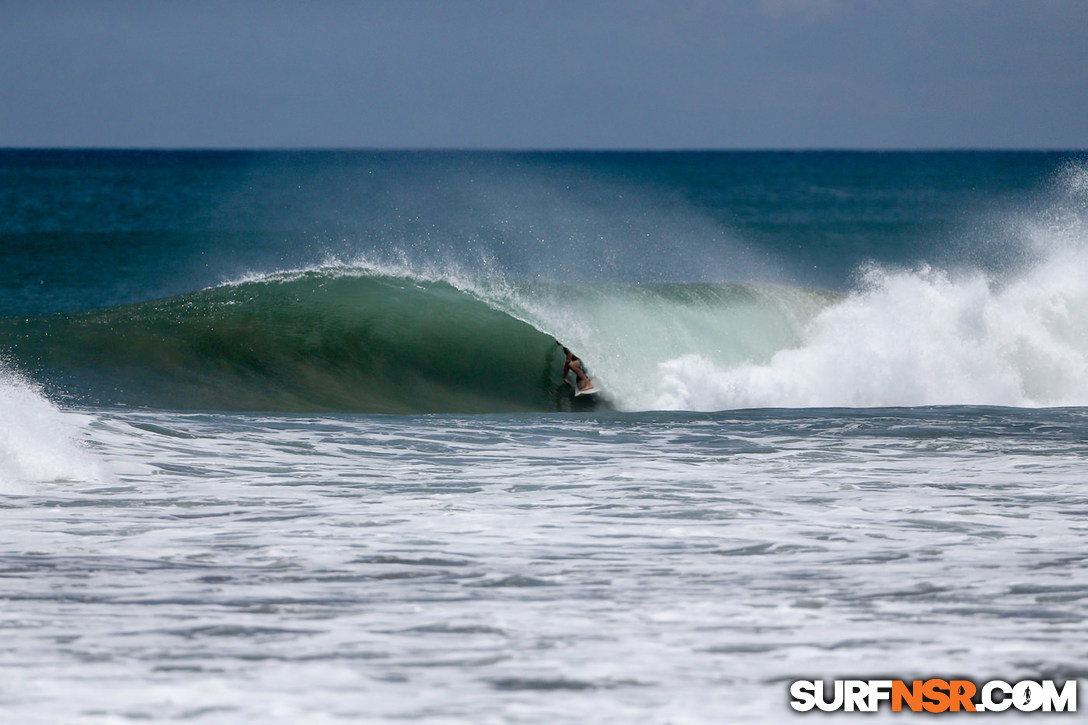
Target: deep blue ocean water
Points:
x,y
283,436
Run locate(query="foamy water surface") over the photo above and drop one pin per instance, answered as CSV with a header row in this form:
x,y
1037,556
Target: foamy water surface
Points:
x,y
661,568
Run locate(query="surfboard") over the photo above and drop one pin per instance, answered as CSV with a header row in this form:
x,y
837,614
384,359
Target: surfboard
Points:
x,y
591,390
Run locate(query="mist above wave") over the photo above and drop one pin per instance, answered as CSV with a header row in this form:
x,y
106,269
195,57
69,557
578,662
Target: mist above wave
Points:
x,y
927,336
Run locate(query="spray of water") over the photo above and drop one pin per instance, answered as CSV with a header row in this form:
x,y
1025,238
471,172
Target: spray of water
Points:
x,y
38,442
926,336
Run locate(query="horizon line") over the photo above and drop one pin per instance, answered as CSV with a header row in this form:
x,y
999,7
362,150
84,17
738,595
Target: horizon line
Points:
x,y
557,149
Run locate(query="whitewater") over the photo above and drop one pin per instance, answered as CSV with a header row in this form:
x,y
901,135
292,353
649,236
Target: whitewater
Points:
x,y
283,438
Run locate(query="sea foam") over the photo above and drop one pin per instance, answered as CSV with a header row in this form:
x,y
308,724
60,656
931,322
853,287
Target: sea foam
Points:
x,y
926,336
39,442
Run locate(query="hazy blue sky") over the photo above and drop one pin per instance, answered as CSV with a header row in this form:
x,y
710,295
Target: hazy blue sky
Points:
x,y
545,74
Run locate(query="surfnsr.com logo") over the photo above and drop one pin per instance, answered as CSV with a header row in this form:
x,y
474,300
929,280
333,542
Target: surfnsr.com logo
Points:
x,y
934,696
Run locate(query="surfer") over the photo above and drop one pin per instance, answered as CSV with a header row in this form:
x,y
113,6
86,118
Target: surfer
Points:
x,y
582,381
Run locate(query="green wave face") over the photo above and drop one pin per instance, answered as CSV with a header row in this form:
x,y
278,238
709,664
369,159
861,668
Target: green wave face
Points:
x,y
315,342
353,339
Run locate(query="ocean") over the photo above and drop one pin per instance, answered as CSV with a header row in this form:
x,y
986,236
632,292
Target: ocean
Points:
x,y
283,437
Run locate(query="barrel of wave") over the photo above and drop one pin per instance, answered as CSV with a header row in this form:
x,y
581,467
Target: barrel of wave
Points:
x,y
631,336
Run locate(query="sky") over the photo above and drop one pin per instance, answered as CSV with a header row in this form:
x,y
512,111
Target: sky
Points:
x,y
544,74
